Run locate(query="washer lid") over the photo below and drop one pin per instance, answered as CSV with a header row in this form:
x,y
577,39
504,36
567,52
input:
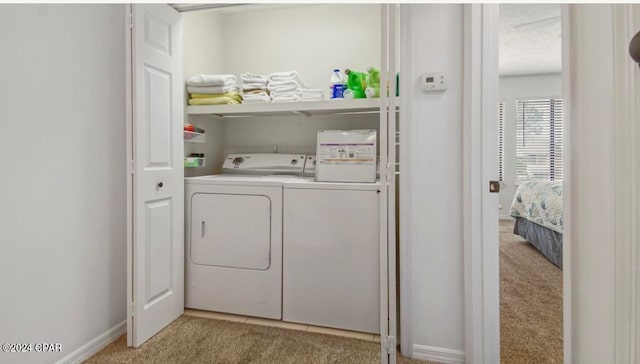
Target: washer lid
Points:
x,y
264,164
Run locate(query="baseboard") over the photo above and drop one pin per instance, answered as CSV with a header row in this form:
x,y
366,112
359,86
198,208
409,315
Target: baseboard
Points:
x,y
439,355
95,345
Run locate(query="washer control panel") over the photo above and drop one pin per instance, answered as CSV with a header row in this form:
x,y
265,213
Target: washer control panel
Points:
x,y
310,166
264,164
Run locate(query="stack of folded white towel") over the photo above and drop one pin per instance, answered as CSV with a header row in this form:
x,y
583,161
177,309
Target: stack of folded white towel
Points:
x,y
285,86
213,89
254,88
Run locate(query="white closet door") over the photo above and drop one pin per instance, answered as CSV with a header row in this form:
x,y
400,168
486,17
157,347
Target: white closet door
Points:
x,y
156,264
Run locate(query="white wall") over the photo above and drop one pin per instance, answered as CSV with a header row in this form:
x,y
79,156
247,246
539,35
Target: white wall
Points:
x,y
289,134
431,257
203,43
513,88
203,34
312,39
62,157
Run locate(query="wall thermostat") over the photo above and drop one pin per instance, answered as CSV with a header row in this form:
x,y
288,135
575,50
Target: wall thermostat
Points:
x,y
433,82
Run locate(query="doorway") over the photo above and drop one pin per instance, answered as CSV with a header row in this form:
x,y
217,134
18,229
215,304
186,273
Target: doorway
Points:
x,y
530,171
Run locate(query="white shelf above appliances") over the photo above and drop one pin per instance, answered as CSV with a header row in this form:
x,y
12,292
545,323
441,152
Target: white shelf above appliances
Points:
x,y
306,108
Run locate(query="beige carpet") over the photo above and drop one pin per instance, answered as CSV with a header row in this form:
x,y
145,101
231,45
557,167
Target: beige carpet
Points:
x,y
530,302
192,339
530,314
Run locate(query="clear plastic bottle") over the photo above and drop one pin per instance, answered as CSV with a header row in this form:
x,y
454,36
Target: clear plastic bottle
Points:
x,y
337,85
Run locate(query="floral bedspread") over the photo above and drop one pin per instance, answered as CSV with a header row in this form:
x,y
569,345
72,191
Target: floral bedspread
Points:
x,y
539,202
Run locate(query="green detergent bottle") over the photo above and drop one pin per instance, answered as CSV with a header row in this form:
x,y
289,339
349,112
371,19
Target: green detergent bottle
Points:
x,y
373,82
356,83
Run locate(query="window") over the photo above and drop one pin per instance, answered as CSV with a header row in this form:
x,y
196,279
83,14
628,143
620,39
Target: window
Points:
x,y
539,137
501,142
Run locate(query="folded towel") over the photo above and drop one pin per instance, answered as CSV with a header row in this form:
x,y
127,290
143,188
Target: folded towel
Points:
x,y
286,76
286,98
253,78
214,101
211,80
225,100
211,89
255,92
284,93
249,97
256,99
254,86
209,96
232,94
228,98
283,86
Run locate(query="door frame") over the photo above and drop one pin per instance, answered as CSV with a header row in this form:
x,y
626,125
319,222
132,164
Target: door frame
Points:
x,y
481,284
128,10
387,125
567,266
389,14
626,22
481,256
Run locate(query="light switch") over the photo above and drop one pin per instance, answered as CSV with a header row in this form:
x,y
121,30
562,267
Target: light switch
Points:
x,y
433,82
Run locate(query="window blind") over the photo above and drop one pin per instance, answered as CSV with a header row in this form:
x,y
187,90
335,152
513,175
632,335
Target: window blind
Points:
x,y
539,148
501,141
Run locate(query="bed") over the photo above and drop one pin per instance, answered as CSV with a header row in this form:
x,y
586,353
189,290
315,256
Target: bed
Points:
x,y
537,209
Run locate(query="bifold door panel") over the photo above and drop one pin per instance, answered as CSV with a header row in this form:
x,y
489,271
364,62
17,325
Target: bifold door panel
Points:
x,y
156,249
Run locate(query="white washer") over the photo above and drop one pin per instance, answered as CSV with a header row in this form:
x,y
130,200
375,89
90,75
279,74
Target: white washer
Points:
x,y
234,236
331,254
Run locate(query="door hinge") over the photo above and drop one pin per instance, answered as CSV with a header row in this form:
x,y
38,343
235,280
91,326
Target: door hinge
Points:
x,y
390,344
130,20
133,309
132,167
392,170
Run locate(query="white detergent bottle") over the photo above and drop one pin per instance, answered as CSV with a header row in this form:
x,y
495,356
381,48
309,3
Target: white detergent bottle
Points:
x,y
337,85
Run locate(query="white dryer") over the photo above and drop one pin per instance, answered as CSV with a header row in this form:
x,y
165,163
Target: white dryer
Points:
x,y
233,237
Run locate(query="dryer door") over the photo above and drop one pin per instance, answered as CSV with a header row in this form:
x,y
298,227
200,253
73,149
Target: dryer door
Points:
x,y
231,231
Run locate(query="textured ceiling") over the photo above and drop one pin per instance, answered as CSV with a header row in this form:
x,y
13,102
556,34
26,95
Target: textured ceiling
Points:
x,y
530,39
